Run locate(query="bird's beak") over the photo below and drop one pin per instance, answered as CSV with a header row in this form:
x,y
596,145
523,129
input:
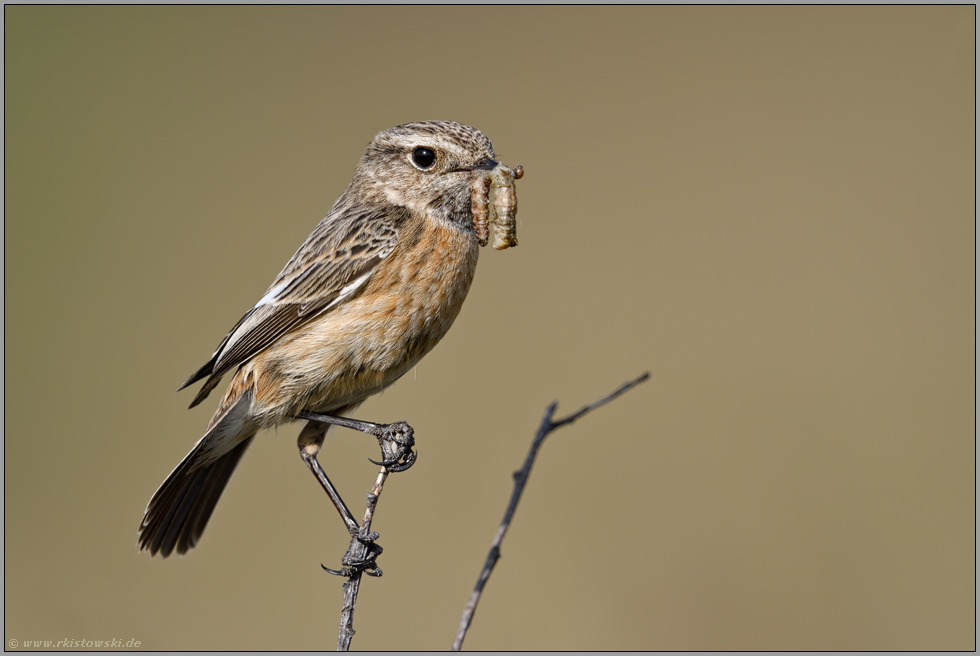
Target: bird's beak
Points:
x,y
485,164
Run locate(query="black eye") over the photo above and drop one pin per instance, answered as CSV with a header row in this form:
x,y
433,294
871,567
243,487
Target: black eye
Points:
x,y
424,157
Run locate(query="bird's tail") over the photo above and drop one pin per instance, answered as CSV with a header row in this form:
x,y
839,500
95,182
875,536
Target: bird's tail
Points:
x,y
179,510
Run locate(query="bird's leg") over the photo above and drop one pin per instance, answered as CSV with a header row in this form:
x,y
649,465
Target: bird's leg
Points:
x,y
309,442
396,440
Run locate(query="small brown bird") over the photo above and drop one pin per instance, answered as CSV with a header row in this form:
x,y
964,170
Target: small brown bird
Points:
x,y
372,290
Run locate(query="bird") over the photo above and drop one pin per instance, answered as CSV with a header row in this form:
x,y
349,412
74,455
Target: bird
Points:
x,y
372,290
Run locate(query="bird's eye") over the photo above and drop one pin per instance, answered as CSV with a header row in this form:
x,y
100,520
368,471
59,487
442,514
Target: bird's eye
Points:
x,y
424,157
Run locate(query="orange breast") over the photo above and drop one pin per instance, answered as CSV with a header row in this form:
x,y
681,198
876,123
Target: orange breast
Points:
x,y
362,346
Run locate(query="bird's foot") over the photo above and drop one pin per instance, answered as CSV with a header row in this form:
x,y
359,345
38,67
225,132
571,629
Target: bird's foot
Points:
x,y
396,441
356,563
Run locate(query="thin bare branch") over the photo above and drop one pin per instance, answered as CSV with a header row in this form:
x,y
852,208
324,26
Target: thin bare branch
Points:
x,y
358,551
520,481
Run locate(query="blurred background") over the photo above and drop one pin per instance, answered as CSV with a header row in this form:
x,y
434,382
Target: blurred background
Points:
x,y
771,209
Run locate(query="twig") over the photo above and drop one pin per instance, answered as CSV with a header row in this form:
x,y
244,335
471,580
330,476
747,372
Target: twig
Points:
x,y
358,551
520,481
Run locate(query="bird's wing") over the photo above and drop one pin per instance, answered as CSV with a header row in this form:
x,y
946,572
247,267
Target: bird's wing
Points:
x,y
332,265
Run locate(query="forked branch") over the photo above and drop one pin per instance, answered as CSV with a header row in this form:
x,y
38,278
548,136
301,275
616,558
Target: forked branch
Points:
x,y
548,424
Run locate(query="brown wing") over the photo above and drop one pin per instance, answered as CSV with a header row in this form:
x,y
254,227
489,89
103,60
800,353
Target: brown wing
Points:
x,y
332,265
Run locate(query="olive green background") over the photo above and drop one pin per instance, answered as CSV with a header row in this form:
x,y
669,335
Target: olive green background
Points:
x,y
771,209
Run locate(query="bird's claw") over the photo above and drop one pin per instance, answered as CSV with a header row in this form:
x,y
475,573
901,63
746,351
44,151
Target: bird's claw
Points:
x,y
398,464
371,569
396,441
366,564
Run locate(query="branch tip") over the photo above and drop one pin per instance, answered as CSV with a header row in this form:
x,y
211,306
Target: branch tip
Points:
x,y
520,481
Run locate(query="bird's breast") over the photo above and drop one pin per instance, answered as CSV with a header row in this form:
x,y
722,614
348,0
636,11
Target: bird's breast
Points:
x,y
362,346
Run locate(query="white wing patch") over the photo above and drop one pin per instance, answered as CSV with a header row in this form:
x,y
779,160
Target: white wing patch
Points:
x,y
350,289
270,296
